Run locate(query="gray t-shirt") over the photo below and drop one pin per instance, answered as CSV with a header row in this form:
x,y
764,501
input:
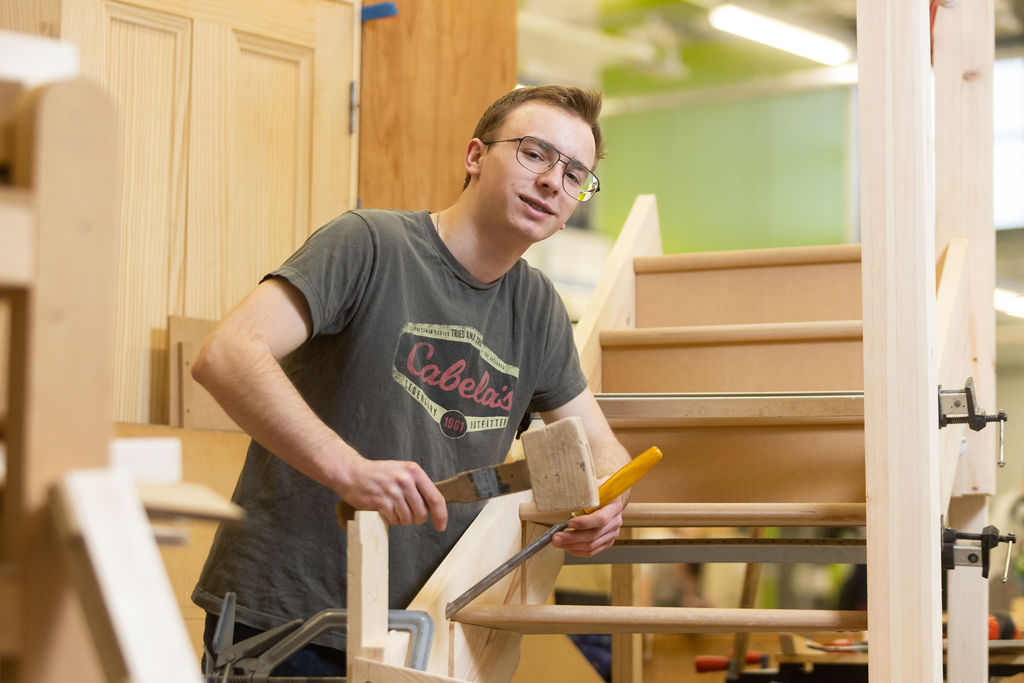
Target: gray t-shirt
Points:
x,y
411,358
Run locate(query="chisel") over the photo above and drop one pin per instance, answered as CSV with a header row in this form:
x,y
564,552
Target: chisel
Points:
x,y
615,486
471,485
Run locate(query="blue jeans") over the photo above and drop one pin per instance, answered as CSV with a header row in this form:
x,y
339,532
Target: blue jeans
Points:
x,y
312,660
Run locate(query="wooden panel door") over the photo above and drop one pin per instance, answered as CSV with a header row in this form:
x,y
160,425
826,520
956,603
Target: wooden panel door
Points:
x,y
237,143
428,74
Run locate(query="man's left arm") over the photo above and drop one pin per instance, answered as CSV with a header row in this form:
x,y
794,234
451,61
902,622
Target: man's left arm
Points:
x,y
597,531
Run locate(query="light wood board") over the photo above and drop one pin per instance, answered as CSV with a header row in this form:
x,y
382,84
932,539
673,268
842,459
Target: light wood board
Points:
x,y
898,260
122,581
468,652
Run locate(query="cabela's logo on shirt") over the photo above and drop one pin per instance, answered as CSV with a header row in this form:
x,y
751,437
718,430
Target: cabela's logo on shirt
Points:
x,y
460,382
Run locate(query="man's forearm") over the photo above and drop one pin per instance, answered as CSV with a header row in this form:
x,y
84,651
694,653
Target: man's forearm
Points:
x,y
609,456
248,382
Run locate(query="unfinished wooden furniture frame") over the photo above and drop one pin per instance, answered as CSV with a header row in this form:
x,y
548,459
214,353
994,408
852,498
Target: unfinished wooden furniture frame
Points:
x,y
60,284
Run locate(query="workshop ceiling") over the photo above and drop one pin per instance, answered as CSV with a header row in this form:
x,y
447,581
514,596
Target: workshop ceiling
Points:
x,y
633,47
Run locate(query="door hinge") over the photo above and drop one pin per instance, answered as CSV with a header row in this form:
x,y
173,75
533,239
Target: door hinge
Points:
x,y
353,106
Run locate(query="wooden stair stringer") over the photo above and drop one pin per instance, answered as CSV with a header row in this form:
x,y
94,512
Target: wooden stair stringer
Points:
x,y
612,305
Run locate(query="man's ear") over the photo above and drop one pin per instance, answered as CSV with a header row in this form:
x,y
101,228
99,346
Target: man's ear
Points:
x,y
474,153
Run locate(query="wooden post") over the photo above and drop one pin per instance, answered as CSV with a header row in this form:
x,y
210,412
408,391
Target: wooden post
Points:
x,y
627,648
367,587
964,47
964,56
900,411
967,599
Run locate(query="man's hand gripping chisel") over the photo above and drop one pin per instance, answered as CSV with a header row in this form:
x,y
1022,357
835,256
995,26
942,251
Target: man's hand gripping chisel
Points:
x,y
611,489
558,467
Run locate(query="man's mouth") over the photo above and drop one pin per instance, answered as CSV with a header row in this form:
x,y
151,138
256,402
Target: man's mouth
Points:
x,y
536,205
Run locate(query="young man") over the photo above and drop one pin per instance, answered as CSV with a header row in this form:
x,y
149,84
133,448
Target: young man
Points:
x,y
398,348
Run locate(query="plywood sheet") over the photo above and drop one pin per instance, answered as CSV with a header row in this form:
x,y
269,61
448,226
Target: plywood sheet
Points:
x,y
191,405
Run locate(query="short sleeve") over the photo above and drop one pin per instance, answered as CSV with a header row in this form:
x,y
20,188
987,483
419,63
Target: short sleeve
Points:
x,y
332,270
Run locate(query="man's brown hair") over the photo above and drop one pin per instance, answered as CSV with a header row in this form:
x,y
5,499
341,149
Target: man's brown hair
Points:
x,y
586,104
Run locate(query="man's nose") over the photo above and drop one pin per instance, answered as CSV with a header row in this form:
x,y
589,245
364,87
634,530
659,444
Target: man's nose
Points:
x,y
551,177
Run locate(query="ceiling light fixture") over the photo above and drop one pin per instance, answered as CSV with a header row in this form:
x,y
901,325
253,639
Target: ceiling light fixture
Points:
x,y
779,35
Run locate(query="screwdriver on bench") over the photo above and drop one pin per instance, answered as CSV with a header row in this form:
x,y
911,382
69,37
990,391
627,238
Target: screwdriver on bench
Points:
x,y
615,486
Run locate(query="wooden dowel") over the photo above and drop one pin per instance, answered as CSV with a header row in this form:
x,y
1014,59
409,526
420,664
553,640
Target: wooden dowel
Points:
x,y
726,514
534,619
719,334
748,598
748,258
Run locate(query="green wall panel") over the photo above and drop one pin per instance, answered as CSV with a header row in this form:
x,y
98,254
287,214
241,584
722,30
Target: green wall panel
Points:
x,y
767,172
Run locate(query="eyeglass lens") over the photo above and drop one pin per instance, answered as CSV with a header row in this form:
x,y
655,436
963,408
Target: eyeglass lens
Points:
x,y
538,156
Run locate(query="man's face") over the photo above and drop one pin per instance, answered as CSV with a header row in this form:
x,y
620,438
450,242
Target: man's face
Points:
x,y
534,206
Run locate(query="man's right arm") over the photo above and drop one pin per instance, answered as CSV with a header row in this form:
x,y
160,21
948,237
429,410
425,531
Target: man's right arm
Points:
x,y
239,365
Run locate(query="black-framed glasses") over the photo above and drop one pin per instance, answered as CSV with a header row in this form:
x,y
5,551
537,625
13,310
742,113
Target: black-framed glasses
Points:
x,y
539,156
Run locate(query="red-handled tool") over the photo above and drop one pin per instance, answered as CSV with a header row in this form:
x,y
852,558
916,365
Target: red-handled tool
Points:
x,y
705,663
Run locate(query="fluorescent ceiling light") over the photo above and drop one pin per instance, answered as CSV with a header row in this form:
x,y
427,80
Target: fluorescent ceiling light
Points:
x,y
779,35
1010,303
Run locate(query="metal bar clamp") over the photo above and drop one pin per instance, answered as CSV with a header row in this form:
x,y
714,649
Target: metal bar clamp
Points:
x,y
958,406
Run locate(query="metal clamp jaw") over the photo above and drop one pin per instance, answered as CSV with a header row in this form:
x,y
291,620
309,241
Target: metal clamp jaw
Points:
x,y
954,555
958,406
253,659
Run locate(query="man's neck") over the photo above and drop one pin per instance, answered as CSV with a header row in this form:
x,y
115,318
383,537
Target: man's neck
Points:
x,y
485,258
